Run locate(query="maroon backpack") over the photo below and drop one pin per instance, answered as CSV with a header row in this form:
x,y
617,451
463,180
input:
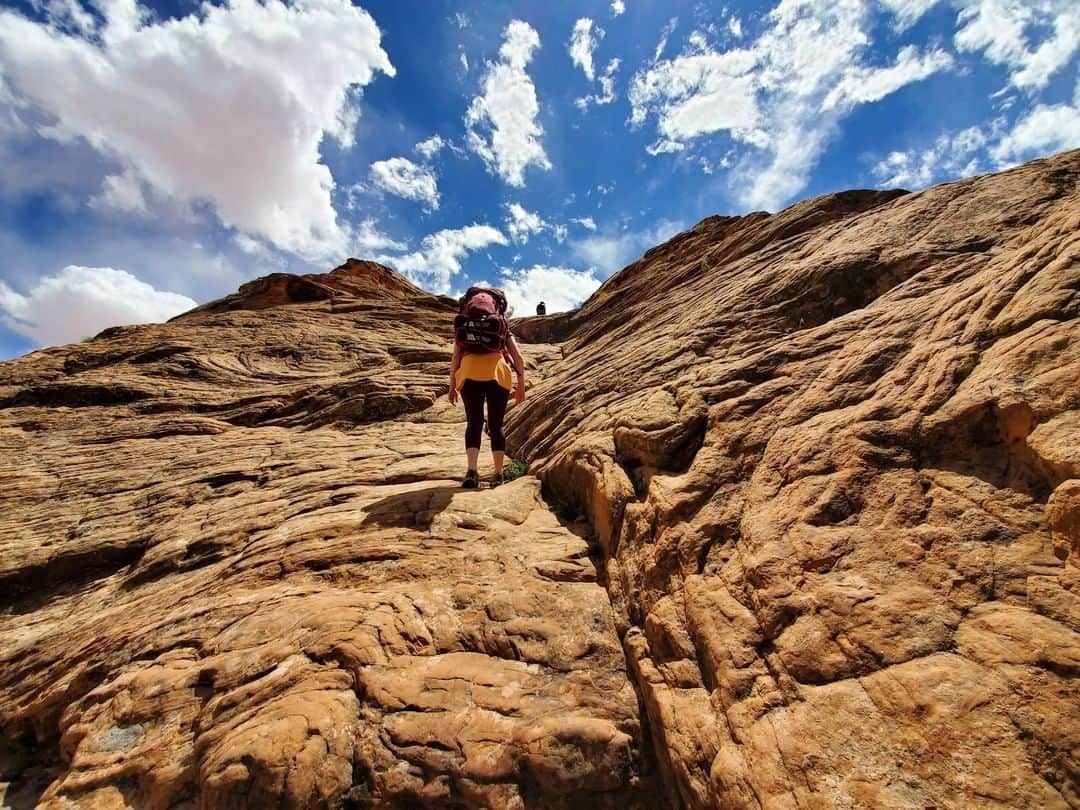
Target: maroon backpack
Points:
x,y
480,325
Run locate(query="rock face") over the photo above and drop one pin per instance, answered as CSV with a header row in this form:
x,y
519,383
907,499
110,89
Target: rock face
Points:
x,y
809,534
238,571
833,460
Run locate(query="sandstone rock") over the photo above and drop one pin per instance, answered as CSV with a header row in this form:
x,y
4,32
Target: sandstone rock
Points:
x,y
812,543
232,579
835,492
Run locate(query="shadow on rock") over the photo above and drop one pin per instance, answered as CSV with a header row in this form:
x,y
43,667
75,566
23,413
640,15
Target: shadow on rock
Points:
x,y
410,510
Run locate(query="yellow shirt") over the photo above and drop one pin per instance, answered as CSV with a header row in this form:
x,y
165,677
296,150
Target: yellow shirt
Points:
x,y
483,366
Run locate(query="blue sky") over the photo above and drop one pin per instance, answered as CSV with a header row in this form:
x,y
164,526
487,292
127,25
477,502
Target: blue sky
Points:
x,y
157,156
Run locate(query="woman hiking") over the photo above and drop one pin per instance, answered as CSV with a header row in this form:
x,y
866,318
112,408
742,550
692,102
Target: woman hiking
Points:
x,y
481,373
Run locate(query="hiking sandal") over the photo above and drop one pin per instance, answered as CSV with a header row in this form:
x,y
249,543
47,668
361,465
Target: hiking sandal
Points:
x,y
471,480
497,479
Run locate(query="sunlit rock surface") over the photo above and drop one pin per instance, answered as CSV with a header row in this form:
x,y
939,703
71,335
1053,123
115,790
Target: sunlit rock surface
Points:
x,y
832,456
801,530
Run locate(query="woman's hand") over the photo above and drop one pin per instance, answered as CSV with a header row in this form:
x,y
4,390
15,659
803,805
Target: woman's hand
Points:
x,y
452,396
519,394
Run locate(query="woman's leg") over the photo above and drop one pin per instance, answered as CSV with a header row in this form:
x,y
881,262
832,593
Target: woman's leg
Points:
x,y
497,398
472,396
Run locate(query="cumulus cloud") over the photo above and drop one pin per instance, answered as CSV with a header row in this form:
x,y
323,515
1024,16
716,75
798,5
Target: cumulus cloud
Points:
x,y
998,29
122,192
79,302
781,97
440,255
607,88
430,147
560,288
583,41
861,84
607,253
617,7
226,106
501,123
588,223
952,155
522,223
367,238
908,12
402,177
1045,130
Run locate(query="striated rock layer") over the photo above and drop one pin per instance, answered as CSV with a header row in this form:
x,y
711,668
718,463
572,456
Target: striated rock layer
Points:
x,y
810,536
833,460
238,571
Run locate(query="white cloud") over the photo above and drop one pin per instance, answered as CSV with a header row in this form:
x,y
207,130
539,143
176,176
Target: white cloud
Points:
x,y
501,123
582,44
908,12
861,84
588,223
67,14
1045,130
735,27
699,93
366,238
441,253
665,35
406,179
430,147
240,102
617,7
560,288
997,28
781,97
122,192
79,302
522,223
610,252
952,155
252,247
464,60
462,20
607,88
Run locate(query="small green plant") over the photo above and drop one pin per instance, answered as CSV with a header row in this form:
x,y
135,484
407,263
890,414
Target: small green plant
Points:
x,y
514,468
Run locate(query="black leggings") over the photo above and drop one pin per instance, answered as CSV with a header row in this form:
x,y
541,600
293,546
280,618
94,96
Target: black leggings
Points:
x,y
473,394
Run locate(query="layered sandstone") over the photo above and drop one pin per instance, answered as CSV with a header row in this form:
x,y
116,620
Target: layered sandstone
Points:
x,y
238,570
833,460
800,530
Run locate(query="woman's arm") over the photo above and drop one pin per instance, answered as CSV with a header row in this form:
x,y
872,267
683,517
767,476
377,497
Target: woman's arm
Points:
x,y
455,364
519,367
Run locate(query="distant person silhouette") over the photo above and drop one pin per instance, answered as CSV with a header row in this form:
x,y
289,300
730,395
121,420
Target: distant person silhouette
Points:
x,y
541,309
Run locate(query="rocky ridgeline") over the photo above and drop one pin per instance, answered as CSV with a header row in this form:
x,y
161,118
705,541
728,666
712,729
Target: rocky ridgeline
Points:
x,y
808,537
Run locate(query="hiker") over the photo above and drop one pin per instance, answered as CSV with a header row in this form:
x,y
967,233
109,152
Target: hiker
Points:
x,y
480,371
541,308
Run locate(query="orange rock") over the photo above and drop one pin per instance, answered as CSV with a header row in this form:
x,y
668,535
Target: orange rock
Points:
x,y
808,535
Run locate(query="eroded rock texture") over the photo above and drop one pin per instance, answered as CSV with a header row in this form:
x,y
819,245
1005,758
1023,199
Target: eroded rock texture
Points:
x,y
828,465
832,456
238,571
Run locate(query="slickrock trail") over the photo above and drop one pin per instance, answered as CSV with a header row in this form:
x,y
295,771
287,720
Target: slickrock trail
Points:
x,y
211,604
833,456
827,469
